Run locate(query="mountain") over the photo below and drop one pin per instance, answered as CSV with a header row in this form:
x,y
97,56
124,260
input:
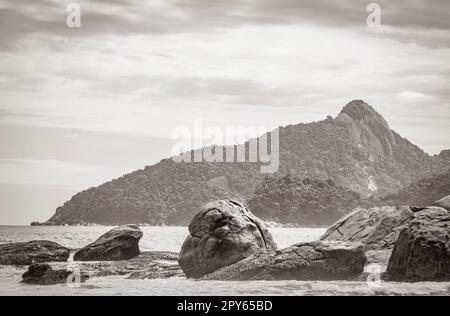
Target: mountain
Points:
x,y
356,150
421,193
289,199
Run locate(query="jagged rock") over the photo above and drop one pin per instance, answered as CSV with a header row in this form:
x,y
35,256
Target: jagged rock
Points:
x,y
27,253
222,233
43,274
120,243
377,228
444,203
422,251
319,260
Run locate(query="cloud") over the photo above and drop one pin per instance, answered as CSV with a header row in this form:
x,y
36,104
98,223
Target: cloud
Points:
x,y
52,172
143,68
72,136
422,22
236,91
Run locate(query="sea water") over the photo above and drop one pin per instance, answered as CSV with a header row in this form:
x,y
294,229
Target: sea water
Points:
x,y
171,239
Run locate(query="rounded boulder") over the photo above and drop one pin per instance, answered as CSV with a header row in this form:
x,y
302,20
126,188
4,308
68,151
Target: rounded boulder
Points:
x,y
222,233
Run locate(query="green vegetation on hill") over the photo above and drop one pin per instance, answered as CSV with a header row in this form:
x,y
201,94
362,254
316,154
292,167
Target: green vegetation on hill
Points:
x,y
356,150
306,202
167,193
421,193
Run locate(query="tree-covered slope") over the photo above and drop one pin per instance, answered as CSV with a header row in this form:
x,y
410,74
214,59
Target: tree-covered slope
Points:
x,y
291,200
421,193
356,150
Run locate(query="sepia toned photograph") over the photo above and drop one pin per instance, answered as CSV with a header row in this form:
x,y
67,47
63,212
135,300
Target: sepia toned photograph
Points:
x,y
207,150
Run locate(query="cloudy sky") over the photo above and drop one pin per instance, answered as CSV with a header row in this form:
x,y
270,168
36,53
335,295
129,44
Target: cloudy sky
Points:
x,y
79,106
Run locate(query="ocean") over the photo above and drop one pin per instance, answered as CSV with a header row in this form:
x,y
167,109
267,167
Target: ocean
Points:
x,y
171,239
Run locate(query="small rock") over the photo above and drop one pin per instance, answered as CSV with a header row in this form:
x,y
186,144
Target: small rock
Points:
x,y
27,253
43,274
221,234
120,243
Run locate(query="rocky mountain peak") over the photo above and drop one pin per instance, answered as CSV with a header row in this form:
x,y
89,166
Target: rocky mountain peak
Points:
x,y
367,128
361,111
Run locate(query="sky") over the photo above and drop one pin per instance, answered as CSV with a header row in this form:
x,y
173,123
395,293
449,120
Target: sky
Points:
x,y
80,106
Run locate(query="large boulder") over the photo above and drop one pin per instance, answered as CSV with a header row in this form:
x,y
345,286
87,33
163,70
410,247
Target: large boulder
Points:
x,y
377,228
27,253
422,251
120,243
43,274
444,203
319,260
222,233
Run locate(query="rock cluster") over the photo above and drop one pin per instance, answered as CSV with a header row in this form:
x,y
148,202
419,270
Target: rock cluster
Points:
x,y
414,244
227,242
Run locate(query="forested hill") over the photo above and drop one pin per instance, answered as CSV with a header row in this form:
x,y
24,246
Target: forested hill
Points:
x,y
357,150
306,202
422,193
